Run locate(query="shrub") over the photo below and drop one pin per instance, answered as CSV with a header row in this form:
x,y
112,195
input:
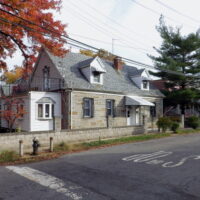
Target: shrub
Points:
x,y
8,156
61,147
164,123
174,126
193,122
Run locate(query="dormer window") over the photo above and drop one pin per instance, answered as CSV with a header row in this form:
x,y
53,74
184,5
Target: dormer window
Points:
x,y
93,70
145,85
96,77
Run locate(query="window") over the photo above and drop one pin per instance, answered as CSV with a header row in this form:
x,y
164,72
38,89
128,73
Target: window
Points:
x,y
46,80
110,107
40,110
45,111
145,84
96,77
88,104
153,110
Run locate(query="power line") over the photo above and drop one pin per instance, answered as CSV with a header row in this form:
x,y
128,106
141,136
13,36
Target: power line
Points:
x,y
157,13
106,32
115,22
44,28
94,48
105,25
177,12
109,43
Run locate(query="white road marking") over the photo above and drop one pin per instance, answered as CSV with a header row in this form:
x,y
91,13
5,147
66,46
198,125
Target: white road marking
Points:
x,y
181,162
45,180
152,159
146,157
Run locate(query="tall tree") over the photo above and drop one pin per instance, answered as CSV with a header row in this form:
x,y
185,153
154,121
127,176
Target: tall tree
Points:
x,y
26,25
180,54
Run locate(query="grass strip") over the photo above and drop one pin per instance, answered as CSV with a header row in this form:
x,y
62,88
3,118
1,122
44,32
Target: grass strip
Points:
x,y
125,140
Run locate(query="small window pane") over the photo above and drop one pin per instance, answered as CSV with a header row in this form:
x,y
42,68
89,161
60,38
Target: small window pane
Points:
x,y
87,107
47,110
96,76
109,107
40,110
145,84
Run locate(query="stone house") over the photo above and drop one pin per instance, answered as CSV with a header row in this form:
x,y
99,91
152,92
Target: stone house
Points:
x,y
80,92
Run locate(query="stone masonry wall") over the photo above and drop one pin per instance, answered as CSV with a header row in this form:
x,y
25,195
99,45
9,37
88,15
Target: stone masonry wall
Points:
x,y
99,120
11,141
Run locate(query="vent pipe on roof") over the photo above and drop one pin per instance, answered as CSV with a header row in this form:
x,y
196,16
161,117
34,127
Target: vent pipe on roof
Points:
x,y
117,63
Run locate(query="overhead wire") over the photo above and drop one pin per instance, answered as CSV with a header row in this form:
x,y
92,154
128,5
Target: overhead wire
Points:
x,y
109,26
141,35
110,29
158,13
177,12
94,48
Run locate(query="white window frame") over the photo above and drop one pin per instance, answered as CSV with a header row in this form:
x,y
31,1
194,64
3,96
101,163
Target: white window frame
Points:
x,y
44,111
147,82
100,79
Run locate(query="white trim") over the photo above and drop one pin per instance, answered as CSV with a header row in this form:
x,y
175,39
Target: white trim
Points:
x,y
44,111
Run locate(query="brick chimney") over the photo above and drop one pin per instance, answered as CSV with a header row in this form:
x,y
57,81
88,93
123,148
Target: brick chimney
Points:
x,y
117,63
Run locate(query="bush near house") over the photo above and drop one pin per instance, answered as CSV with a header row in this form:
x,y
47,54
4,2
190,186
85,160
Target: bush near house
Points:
x,y
175,126
164,123
193,122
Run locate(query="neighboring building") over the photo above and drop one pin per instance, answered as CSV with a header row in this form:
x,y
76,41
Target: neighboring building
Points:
x,y
174,110
82,92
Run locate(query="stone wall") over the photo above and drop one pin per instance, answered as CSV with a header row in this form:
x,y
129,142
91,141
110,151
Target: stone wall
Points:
x,y
99,120
11,141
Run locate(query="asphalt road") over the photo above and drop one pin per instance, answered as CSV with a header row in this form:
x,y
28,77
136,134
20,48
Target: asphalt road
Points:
x,y
162,169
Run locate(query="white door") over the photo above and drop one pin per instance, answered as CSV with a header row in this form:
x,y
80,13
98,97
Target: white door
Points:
x,y
137,115
129,115
133,115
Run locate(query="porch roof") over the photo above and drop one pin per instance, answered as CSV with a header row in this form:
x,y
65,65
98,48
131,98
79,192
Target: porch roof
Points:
x,y
137,101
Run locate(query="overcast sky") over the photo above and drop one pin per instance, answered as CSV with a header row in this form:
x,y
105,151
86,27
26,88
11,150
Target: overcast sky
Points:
x,y
128,24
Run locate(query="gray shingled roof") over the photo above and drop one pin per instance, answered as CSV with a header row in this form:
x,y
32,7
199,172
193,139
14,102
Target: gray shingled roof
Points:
x,y
114,81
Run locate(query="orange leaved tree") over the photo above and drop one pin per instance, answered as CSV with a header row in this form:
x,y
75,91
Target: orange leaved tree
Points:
x,y
12,109
26,25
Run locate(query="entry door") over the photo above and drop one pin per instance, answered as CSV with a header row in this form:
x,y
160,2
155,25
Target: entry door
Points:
x,y
133,115
137,115
129,115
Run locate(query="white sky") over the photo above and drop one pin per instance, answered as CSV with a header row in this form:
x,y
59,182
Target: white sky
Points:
x,y
130,26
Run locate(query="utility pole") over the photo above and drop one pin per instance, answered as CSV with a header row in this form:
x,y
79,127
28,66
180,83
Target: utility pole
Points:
x,y
113,40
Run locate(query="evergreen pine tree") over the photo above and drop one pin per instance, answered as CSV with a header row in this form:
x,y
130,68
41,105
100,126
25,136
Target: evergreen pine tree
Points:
x,y
180,54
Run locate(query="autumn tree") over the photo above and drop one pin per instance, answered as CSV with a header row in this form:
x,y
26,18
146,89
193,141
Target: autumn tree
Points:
x,y
13,110
13,75
180,55
101,53
28,25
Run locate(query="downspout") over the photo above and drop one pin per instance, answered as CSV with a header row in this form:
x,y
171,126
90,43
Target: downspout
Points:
x,y
29,107
71,110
